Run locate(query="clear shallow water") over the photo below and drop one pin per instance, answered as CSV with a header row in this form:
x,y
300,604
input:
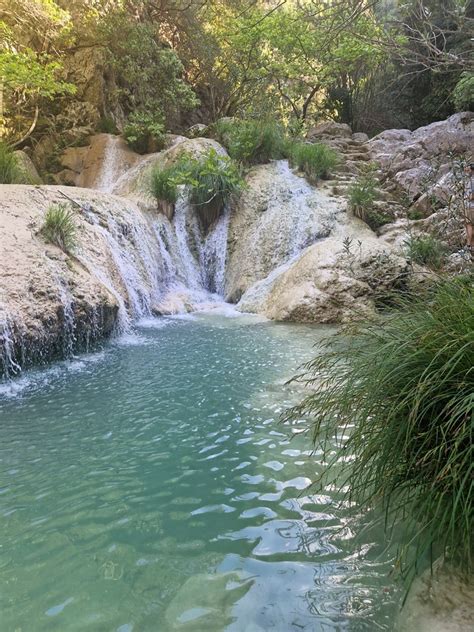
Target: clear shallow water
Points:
x,y
150,487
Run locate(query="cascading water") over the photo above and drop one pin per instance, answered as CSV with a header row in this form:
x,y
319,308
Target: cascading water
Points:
x,y
110,171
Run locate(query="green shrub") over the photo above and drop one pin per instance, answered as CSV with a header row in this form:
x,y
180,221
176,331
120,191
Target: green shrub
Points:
x,y
107,125
463,94
164,183
398,392
212,180
425,250
144,132
59,227
315,160
10,168
251,142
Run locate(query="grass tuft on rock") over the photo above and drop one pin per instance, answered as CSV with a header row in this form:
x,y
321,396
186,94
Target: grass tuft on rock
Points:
x,y
164,182
59,227
315,160
398,392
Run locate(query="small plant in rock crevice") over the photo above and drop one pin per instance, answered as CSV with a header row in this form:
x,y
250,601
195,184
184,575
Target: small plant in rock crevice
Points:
x,y
59,227
362,195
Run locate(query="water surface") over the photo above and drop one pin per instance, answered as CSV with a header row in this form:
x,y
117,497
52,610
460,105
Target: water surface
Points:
x,y
151,487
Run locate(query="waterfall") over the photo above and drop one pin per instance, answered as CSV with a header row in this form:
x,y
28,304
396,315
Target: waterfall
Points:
x,y
110,171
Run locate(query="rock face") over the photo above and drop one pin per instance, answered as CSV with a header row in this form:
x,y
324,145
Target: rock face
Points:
x,y
330,282
419,161
51,303
98,165
277,216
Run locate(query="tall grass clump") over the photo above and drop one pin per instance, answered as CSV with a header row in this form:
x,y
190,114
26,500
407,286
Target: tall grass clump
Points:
x,y
10,168
398,392
164,182
252,142
212,182
59,227
425,250
315,160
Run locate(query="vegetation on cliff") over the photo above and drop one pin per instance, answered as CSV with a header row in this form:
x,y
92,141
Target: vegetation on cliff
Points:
x,y
95,64
398,392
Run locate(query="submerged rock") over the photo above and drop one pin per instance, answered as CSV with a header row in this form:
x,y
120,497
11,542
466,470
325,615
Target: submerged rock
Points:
x,y
440,601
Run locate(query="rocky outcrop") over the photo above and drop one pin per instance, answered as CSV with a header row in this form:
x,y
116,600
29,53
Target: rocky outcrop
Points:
x,y
277,216
97,165
338,279
420,161
52,303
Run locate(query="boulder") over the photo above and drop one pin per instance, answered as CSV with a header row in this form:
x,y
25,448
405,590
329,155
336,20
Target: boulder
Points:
x,y
360,137
329,129
330,282
418,161
27,167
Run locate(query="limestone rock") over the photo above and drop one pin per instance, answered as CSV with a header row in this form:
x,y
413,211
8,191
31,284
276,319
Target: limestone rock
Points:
x,y
438,602
52,303
27,167
329,129
418,161
329,283
277,215
360,137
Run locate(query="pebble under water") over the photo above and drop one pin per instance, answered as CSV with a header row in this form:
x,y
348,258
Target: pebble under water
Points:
x,y
151,487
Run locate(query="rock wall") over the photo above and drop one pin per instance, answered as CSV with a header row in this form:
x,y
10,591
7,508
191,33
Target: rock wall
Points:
x,y
51,303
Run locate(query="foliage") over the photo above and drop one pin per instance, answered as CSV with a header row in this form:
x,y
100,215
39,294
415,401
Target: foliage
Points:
x,y
316,160
164,181
107,125
425,250
10,170
212,180
398,392
30,66
252,141
149,74
463,94
59,227
144,132
362,196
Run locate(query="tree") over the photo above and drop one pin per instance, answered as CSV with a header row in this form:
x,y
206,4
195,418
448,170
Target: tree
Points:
x,y
28,77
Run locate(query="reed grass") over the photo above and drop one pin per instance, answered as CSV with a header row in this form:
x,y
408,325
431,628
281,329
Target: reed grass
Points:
x,y
59,227
399,393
